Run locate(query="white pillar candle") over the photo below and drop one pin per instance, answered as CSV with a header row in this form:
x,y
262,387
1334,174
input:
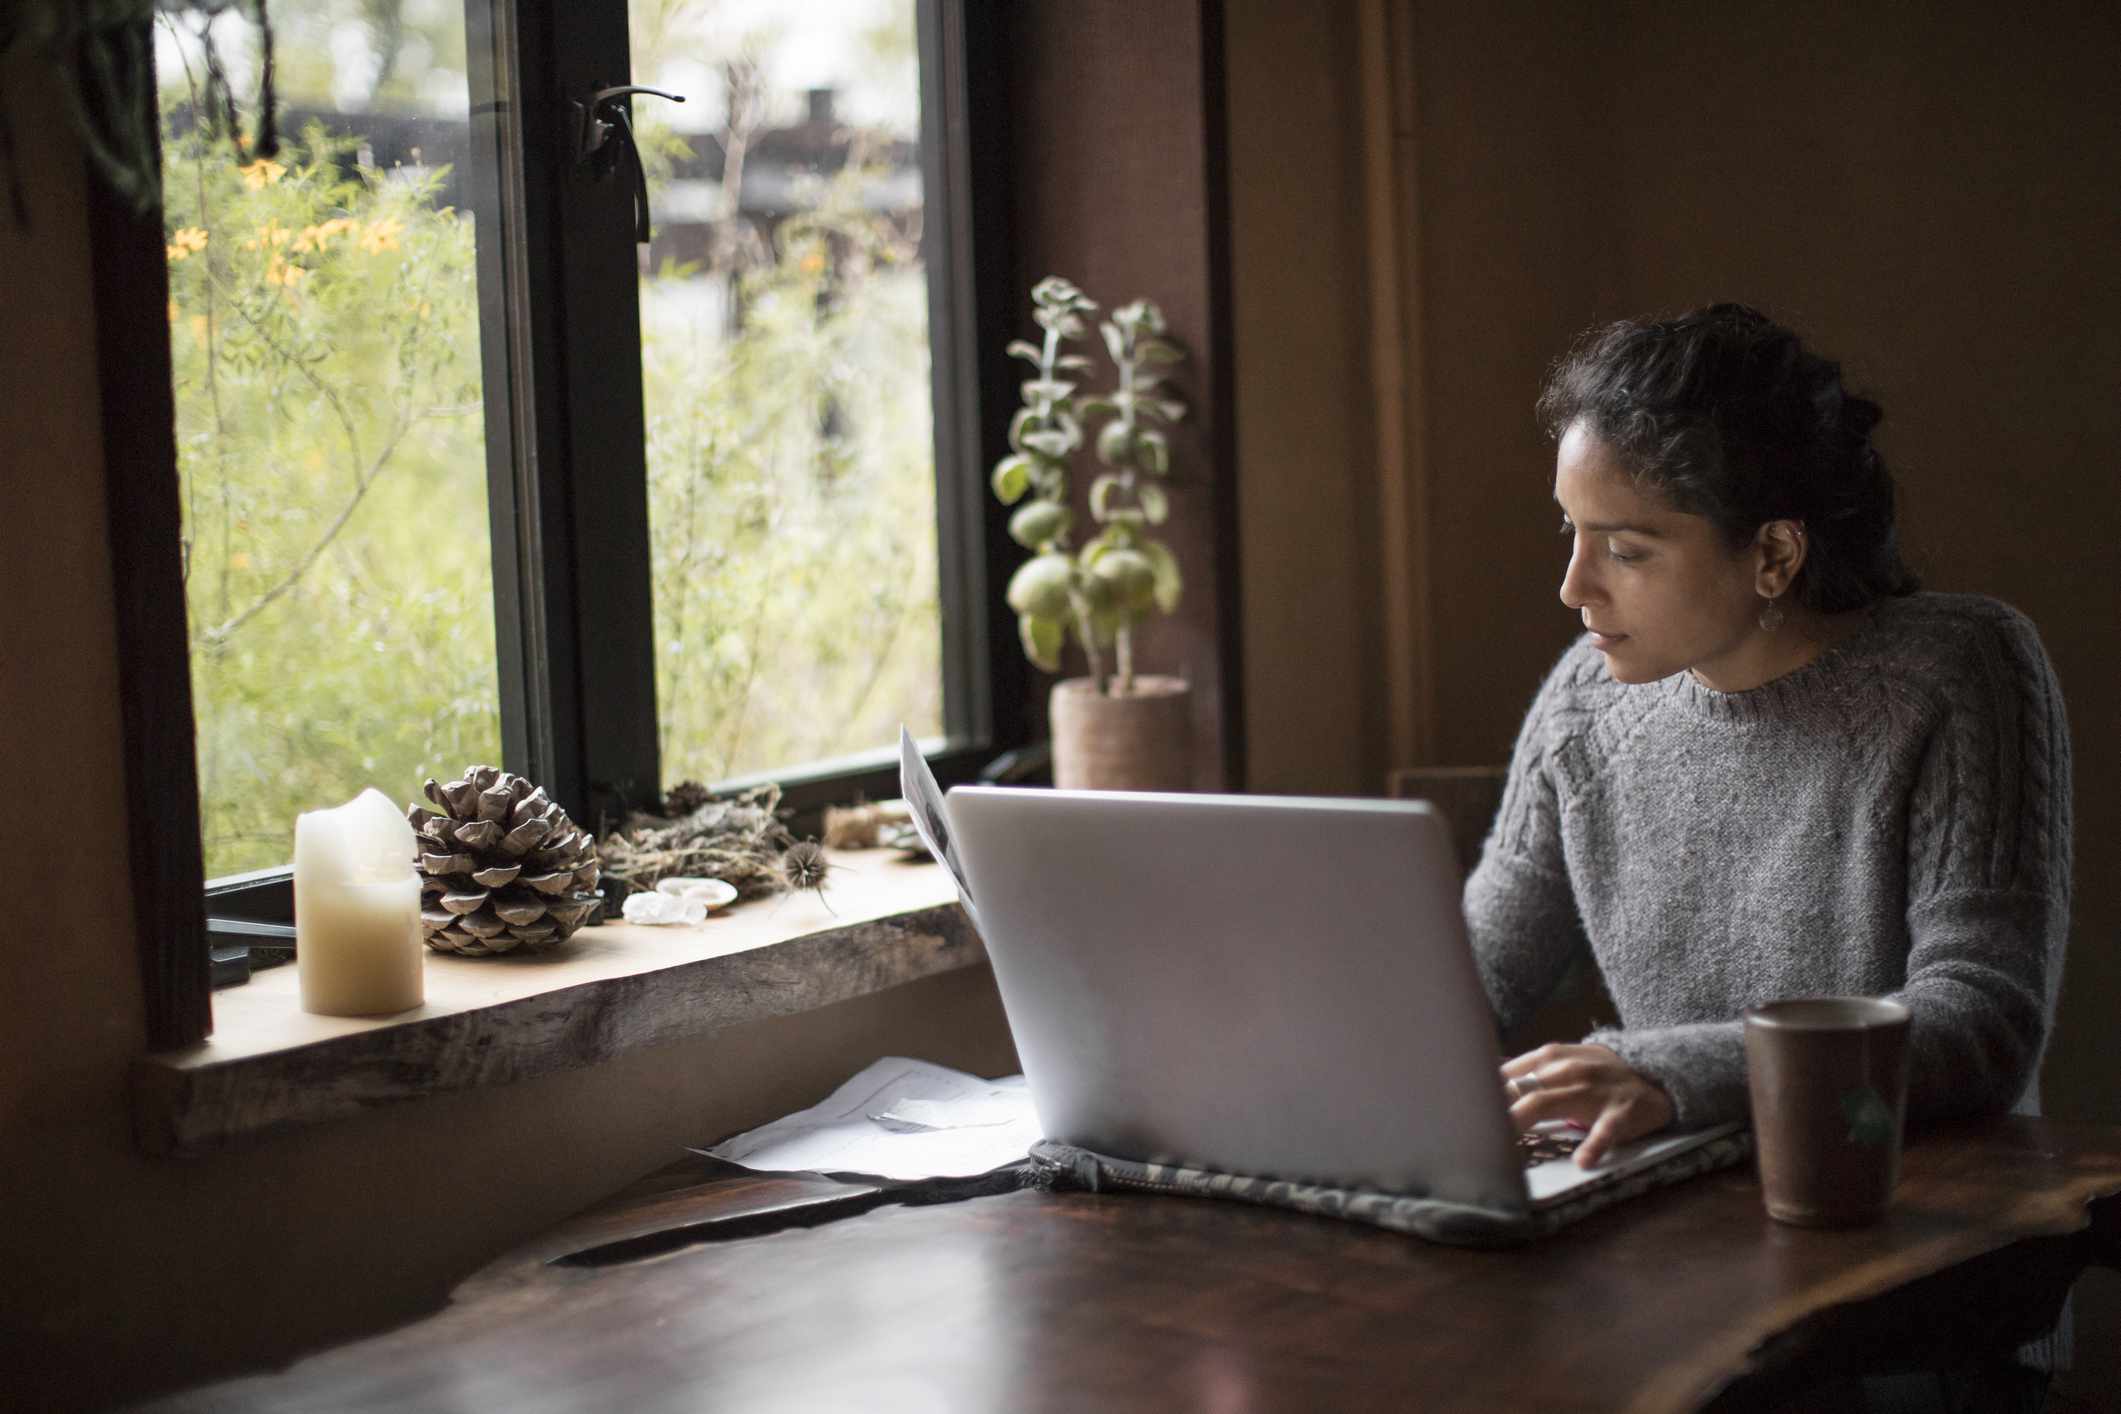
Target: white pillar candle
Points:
x,y
357,910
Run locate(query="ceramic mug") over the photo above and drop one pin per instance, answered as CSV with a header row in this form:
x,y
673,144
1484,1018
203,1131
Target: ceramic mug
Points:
x,y
1828,1077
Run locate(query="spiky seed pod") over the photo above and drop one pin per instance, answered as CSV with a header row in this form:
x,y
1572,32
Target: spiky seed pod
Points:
x,y
502,868
804,865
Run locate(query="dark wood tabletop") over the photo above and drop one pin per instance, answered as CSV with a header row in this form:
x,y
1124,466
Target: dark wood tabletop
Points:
x,y
788,1293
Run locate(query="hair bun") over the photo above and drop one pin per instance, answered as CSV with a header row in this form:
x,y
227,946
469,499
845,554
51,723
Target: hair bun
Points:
x,y
1729,416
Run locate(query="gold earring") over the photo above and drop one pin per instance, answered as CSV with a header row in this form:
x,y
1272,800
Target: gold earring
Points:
x,y
1771,616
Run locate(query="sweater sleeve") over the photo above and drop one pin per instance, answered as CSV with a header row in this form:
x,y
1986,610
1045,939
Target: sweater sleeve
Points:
x,y
1520,912
1699,1066
1989,848
1988,890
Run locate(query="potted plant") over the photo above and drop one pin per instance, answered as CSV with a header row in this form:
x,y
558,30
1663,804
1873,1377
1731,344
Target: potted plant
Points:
x,y
1123,730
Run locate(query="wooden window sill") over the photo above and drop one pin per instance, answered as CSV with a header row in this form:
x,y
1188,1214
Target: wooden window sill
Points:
x,y
610,990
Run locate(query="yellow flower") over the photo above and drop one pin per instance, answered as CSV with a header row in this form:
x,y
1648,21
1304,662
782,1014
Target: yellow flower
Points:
x,y
185,243
272,233
382,235
285,276
199,327
172,311
238,560
317,237
262,173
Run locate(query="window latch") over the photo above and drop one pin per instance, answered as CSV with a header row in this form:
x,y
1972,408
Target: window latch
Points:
x,y
604,138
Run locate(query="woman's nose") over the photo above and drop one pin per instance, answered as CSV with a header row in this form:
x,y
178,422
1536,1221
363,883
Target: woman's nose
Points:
x,y
1578,588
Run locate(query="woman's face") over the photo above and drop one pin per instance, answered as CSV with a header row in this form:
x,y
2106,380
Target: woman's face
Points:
x,y
1659,589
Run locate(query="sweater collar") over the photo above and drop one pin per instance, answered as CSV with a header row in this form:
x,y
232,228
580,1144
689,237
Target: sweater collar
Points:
x,y
1800,692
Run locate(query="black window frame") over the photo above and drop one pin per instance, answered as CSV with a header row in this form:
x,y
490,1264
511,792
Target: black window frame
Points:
x,y
567,480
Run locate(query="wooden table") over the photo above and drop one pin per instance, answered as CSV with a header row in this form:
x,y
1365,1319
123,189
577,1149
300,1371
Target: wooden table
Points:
x,y
1684,1299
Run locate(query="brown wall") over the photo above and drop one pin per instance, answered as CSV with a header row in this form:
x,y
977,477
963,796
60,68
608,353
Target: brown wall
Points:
x,y
121,1274
1305,444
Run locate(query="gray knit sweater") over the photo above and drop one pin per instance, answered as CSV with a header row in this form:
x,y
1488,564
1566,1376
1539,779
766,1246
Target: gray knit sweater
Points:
x,y
1892,819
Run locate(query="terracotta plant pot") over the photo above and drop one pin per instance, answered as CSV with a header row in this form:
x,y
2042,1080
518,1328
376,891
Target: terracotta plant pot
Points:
x,y
1143,741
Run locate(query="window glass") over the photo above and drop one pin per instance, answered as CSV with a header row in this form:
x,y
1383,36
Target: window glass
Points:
x,y
325,342
785,370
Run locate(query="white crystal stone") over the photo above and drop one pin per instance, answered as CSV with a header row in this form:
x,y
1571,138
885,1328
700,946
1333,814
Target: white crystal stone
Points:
x,y
714,893
662,908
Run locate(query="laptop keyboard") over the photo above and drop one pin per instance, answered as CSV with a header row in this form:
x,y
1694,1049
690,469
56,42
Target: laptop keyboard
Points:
x,y
1540,1145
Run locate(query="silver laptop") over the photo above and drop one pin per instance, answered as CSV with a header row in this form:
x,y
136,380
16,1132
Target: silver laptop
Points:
x,y
1254,985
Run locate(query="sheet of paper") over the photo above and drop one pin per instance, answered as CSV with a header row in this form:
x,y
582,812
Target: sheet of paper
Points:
x,y
898,1119
972,1112
924,800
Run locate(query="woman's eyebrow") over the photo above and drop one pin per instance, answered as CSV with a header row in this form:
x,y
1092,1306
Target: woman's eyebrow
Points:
x,y
1598,527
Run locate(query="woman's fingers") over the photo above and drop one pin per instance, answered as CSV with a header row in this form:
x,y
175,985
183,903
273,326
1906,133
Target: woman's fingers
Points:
x,y
1637,1109
1589,1085
1578,1102
1553,1069
1540,1059
1556,1063
1617,1124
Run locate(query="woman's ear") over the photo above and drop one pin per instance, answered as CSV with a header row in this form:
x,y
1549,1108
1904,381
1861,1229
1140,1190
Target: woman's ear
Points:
x,y
1780,549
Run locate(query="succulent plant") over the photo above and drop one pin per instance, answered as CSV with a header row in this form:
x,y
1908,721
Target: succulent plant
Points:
x,y
1098,592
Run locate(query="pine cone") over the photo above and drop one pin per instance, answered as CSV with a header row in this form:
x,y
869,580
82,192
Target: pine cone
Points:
x,y
503,869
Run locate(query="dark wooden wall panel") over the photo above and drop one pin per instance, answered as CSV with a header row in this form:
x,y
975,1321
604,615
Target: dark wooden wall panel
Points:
x,y
140,476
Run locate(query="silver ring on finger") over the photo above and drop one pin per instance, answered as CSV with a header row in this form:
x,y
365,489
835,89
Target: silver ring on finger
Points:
x,y
1524,1085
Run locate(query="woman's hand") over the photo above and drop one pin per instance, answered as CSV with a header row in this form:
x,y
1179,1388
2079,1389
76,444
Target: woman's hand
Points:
x,y
1590,1085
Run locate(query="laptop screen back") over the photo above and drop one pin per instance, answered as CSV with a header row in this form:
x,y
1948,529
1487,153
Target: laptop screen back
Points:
x,y
1261,985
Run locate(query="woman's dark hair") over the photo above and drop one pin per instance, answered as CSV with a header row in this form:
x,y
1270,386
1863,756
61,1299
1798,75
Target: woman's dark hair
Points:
x,y
1727,415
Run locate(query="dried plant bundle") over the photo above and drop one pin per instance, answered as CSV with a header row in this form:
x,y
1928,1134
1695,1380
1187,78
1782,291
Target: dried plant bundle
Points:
x,y
739,839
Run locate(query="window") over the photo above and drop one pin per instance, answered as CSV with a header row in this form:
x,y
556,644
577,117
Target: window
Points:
x,y
469,473
786,384
331,431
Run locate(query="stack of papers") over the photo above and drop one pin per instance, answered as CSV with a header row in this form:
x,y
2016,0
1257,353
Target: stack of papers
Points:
x,y
899,1119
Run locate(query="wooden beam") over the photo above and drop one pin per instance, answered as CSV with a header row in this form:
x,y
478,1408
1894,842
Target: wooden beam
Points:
x,y
147,571
1391,186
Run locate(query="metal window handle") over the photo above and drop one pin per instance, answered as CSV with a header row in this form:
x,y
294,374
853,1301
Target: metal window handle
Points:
x,y
604,136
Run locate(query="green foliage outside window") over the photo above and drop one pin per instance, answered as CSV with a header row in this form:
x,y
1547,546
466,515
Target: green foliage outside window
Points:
x,y
792,497
324,339
324,335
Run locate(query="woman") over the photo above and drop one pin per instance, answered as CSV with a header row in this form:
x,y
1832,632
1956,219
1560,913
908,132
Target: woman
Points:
x,y
1770,767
